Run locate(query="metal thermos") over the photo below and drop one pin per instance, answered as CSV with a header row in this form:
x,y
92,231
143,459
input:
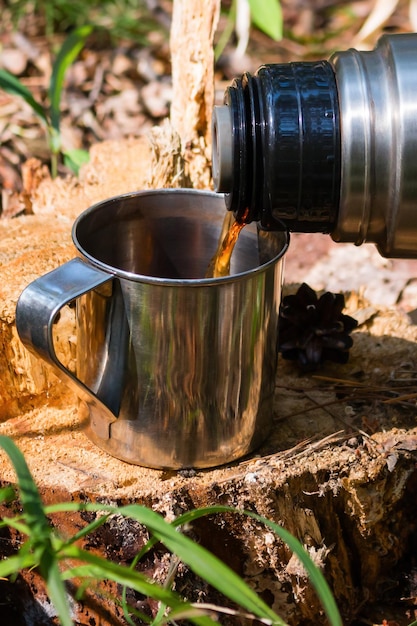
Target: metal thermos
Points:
x,y
327,146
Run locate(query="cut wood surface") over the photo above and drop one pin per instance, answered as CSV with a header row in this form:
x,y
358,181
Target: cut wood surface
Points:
x,y
338,471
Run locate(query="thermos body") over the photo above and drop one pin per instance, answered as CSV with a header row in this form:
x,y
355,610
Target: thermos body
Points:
x,y
327,146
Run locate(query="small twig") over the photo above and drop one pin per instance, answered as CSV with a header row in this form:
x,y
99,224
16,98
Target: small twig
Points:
x,y
364,392
339,381
315,445
326,406
94,475
403,398
316,406
213,608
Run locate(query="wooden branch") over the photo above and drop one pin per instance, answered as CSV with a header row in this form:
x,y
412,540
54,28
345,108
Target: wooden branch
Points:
x,y
192,32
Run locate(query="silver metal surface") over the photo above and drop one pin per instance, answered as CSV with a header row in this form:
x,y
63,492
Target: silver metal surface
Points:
x,y
222,153
378,113
177,370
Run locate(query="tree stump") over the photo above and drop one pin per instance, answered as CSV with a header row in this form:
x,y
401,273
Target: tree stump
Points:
x,y
338,471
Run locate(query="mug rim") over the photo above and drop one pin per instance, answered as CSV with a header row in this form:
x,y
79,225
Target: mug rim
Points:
x,y
158,280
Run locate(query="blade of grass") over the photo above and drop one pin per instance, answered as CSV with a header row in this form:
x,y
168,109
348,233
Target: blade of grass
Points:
x,y
39,533
14,564
35,517
16,524
200,560
51,574
88,530
315,576
66,56
7,494
74,159
96,567
12,85
227,31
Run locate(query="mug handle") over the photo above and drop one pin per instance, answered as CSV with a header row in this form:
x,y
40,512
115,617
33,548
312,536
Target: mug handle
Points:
x,y
36,310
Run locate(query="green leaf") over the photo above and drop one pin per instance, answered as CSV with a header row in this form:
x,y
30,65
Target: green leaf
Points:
x,y
267,16
35,517
56,589
315,576
88,530
16,523
14,564
200,560
99,568
74,159
12,85
66,56
38,550
7,494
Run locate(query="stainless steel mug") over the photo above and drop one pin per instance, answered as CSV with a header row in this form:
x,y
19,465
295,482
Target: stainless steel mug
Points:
x,y
177,370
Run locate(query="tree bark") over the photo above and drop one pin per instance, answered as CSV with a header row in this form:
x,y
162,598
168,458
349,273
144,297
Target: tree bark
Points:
x,y
182,146
194,23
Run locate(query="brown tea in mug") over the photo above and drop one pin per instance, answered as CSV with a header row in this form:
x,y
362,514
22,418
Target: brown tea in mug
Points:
x,y
220,263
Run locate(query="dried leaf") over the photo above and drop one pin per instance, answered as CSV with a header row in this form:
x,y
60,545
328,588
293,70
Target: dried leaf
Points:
x,y
392,461
409,444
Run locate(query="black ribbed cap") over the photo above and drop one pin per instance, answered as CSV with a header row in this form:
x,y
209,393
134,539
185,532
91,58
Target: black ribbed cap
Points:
x,y
286,147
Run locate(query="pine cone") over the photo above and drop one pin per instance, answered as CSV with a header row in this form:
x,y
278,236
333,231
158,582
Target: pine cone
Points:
x,y
313,330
